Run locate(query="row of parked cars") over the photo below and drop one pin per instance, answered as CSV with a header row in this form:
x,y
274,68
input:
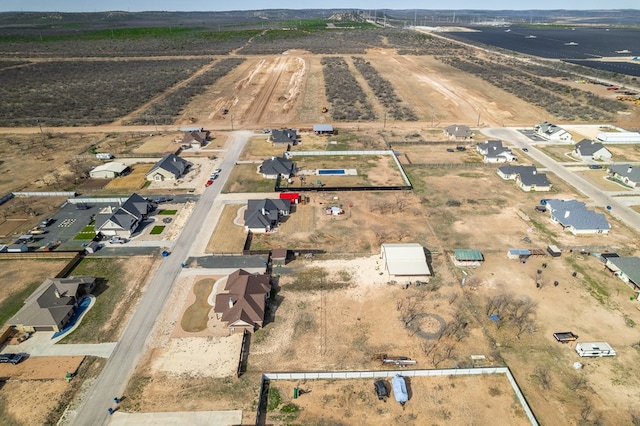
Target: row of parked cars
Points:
x,y
213,177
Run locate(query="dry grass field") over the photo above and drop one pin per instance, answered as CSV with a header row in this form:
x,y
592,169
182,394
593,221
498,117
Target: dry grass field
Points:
x,y
161,143
560,153
436,154
259,148
245,178
623,153
228,237
135,180
598,178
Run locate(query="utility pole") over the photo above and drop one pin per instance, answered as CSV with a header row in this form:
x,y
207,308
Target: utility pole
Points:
x,y
384,123
39,125
478,125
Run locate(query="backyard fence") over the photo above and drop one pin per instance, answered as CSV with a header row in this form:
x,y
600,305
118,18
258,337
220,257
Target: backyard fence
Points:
x,y
332,375
45,194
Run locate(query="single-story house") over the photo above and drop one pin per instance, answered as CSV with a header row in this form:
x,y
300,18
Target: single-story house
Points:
x,y
51,306
108,170
122,220
277,166
405,261
552,132
576,218
627,269
287,136
196,138
493,152
243,305
625,173
323,129
589,150
456,131
527,177
264,215
467,257
516,253
170,167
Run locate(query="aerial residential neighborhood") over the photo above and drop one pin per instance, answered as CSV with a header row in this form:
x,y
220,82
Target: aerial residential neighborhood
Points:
x,y
315,217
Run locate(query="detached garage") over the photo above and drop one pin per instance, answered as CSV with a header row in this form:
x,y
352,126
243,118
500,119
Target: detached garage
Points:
x,y
406,261
108,170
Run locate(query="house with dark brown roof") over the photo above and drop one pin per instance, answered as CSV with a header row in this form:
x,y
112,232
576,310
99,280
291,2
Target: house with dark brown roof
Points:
x,y
243,305
197,139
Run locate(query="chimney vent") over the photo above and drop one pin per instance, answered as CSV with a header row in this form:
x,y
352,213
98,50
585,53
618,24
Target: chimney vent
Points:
x,y
230,302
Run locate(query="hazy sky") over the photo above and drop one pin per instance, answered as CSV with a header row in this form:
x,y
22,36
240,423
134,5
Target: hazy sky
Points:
x,y
218,5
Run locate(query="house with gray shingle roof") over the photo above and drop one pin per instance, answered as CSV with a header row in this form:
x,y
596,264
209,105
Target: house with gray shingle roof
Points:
x,y
527,177
264,215
287,136
576,218
627,269
456,131
50,307
589,150
552,132
122,220
170,167
494,152
625,173
277,166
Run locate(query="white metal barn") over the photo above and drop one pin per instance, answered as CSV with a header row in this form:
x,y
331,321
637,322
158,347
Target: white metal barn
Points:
x,y
108,170
405,261
595,349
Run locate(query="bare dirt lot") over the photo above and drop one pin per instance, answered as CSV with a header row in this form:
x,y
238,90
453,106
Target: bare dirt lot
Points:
x,y
41,368
433,400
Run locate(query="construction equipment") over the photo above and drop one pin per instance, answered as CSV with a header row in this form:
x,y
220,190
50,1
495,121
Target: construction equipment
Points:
x,y
324,110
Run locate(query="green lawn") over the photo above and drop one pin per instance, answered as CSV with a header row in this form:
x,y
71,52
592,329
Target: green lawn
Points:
x,y
157,230
168,212
99,323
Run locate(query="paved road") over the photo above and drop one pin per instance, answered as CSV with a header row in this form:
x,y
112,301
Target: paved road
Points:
x,y
599,198
113,379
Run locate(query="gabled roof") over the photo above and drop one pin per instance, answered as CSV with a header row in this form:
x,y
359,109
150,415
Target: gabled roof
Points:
x,y
284,136
405,259
172,164
277,166
459,131
516,170
626,170
114,167
629,265
468,255
531,177
247,294
195,136
588,147
51,302
323,128
549,128
126,216
574,213
262,213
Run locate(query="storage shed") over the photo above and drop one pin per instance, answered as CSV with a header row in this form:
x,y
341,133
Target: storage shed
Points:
x,y
405,261
467,257
515,253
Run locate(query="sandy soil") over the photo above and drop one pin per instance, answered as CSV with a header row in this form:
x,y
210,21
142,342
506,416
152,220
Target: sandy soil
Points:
x,y
31,402
433,400
41,368
198,356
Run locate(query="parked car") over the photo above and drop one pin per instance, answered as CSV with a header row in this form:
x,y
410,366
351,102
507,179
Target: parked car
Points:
x,y
46,222
381,389
451,150
82,206
595,166
216,171
525,149
117,240
11,358
162,200
209,182
37,231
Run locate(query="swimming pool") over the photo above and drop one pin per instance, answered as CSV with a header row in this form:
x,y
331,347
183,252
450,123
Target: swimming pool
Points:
x,y
331,171
82,306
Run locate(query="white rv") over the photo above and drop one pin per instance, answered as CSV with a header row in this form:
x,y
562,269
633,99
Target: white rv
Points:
x,y
104,156
595,349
